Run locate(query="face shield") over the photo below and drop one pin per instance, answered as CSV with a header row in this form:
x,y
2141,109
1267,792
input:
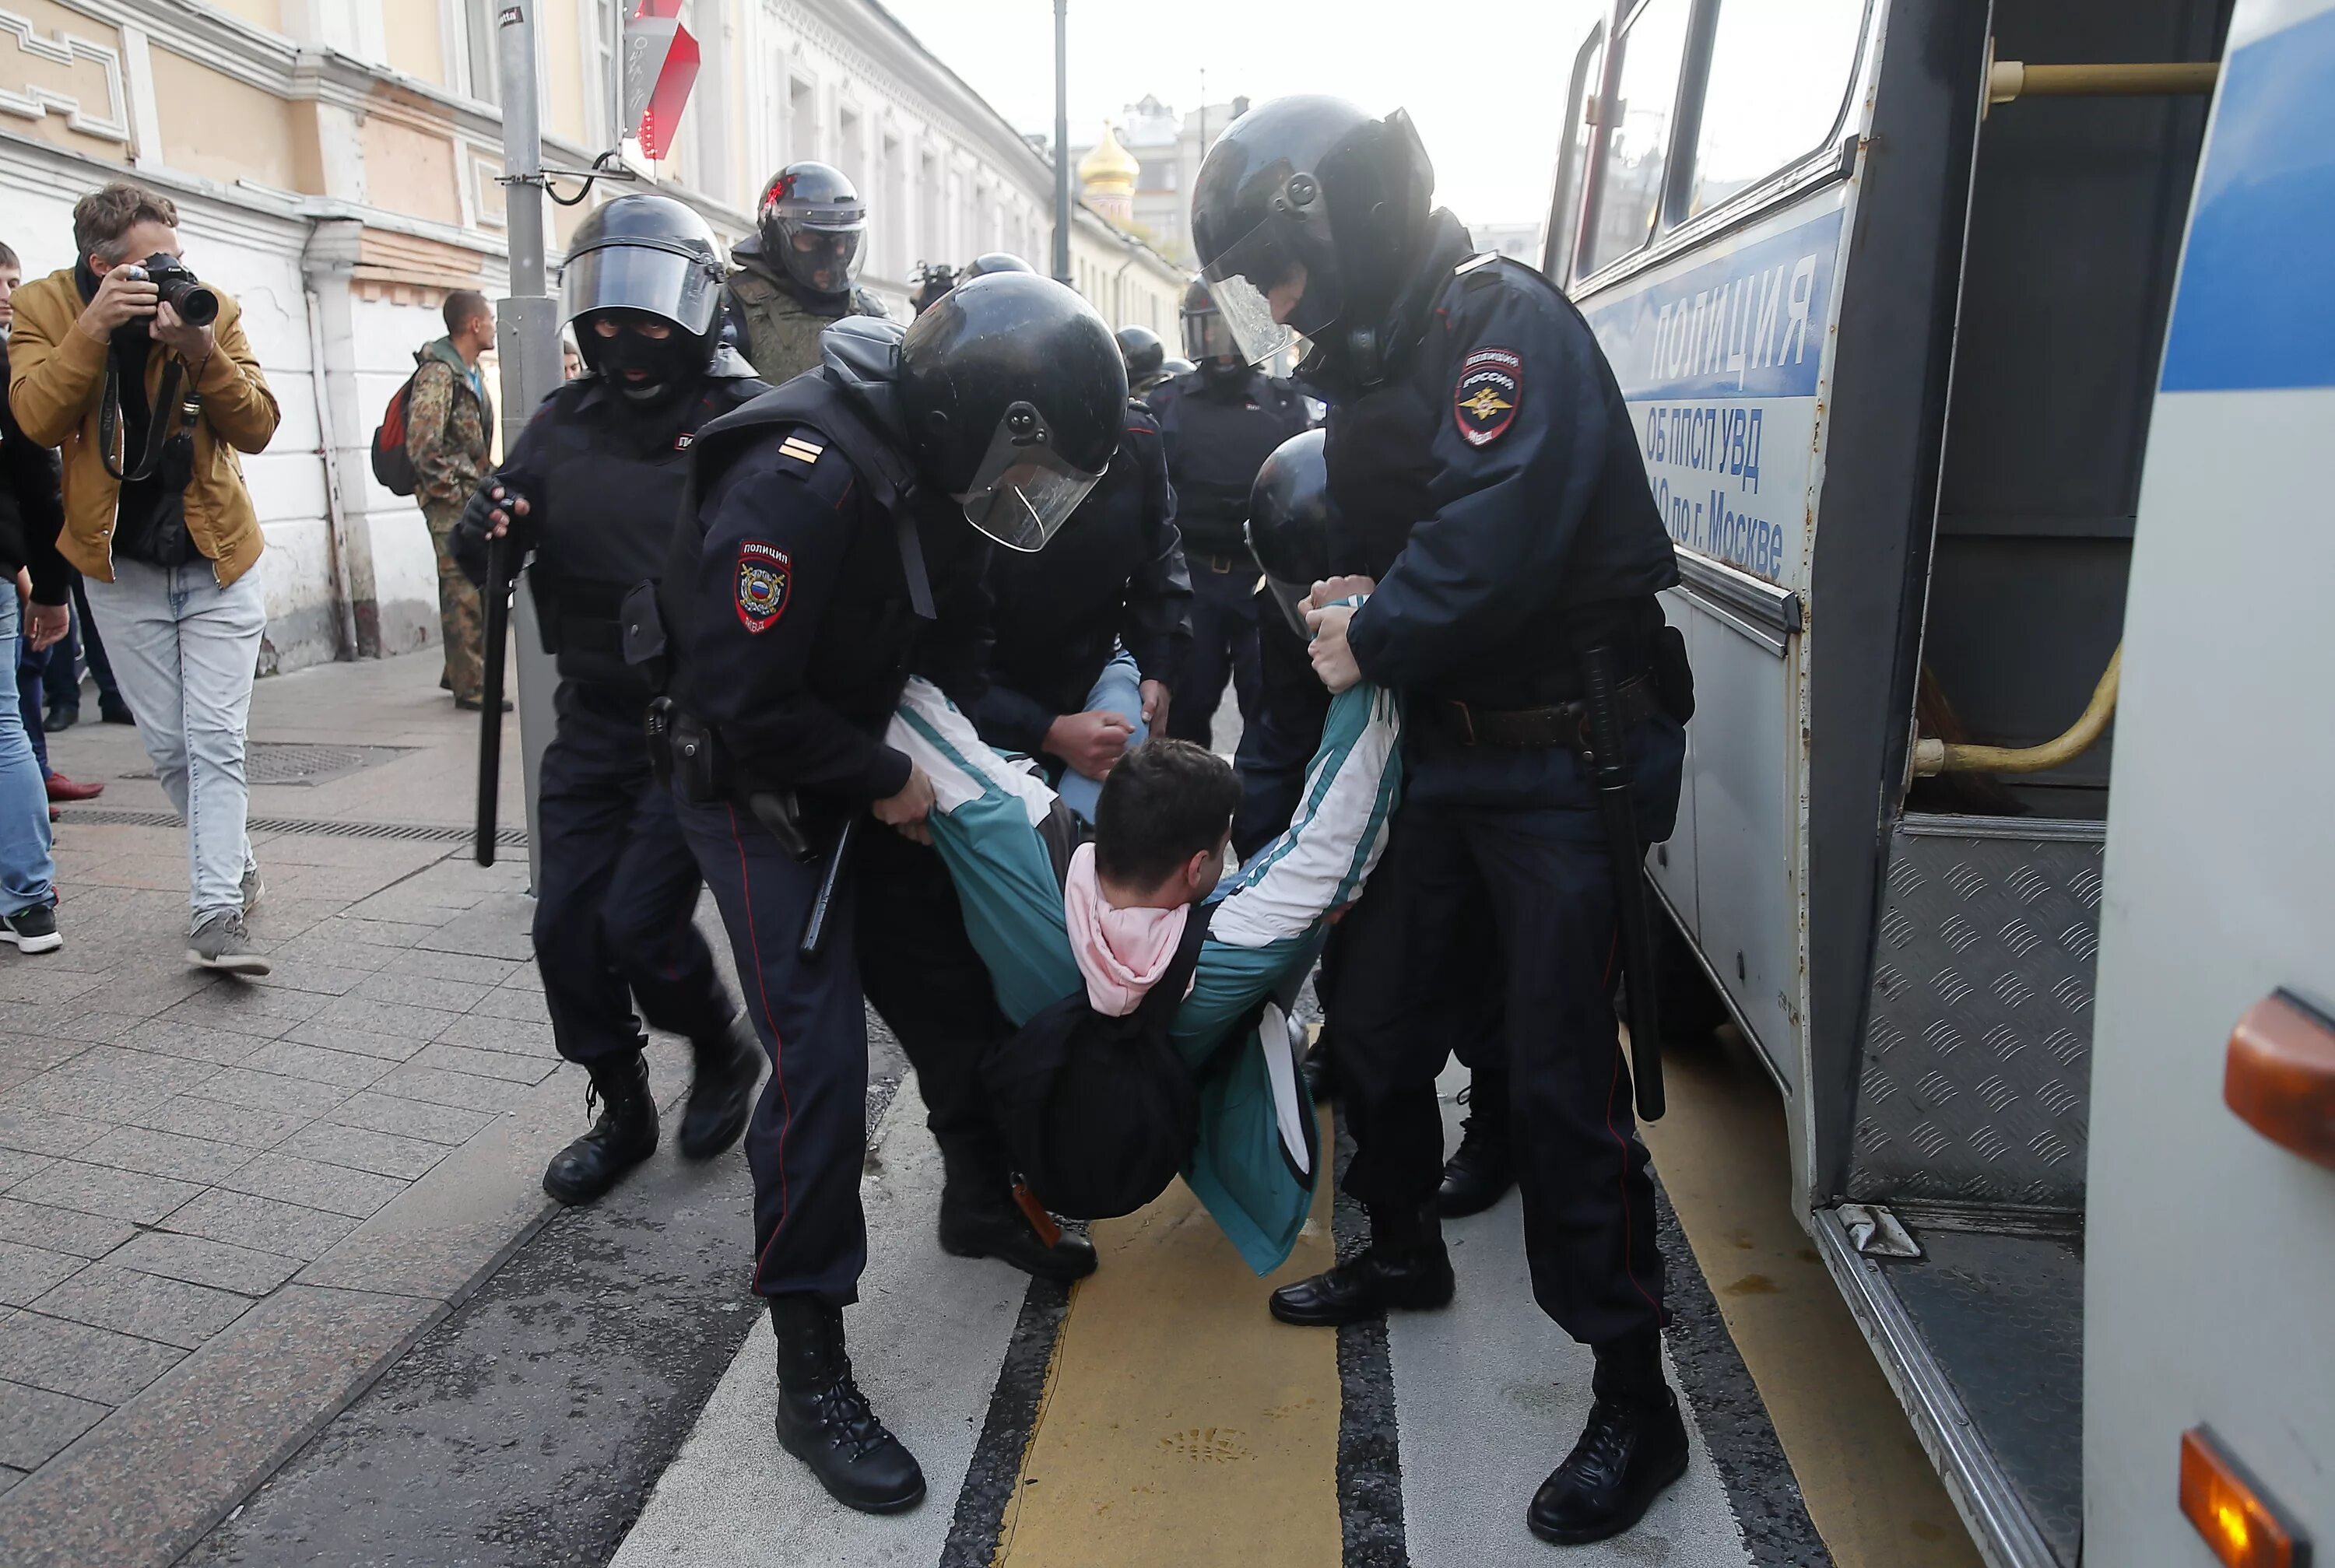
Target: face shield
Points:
x,y
1207,337
1023,491
1268,293
822,247
684,290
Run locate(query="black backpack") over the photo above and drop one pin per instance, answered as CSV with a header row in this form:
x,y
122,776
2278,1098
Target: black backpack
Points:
x,y
1099,1113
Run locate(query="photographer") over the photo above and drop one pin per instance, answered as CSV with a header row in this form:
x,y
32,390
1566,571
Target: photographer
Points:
x,y
142,376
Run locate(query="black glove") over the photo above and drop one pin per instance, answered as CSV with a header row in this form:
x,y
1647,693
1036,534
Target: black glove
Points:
x,y
499,497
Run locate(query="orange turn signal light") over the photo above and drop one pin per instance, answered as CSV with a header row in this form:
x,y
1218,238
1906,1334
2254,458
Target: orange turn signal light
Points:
x,y
2280,1075
2237,1522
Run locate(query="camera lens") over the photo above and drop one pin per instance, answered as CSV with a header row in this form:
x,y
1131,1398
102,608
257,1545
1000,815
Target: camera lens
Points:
x,y
196,305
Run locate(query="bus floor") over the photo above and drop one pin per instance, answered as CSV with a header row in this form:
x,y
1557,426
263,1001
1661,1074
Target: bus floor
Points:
x,y
1155,1416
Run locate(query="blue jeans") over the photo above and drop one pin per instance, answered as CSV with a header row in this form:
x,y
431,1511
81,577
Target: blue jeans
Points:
x,y
1117,690
25,867
185,651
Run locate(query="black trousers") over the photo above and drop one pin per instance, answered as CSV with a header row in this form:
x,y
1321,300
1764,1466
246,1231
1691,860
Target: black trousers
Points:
x,y
617,891
1531,861
1223,643
897,930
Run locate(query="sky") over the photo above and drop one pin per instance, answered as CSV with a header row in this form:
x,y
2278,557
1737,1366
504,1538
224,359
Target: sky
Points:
x,y
1485,84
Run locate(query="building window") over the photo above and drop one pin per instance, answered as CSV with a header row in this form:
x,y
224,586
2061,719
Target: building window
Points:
x,y
930,242
476,70
802,119
600,22
894,219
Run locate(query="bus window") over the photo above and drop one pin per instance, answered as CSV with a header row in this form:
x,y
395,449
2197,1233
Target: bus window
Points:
x,y
1638,132
1581,119
1779,71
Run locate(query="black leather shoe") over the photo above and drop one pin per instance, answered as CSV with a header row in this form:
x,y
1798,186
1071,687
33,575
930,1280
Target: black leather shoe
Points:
x,y
625,1135
1321,1070
61,718
1480,1171
722,1090
825,1420
1414,1278
1632,1448
115,713
979,1223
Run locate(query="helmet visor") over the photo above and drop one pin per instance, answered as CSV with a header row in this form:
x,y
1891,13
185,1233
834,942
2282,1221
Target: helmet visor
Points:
x,y
1207,337
684,290
822,247
1023,491
1266,294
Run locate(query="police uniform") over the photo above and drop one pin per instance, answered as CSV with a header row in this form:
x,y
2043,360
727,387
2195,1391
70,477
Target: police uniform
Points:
x,y
1491,483
613,904
1217,434
775,323
1113,579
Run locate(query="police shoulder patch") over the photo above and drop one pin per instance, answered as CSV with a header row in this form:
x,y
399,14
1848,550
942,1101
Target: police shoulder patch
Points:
x,y
765,574
1490,389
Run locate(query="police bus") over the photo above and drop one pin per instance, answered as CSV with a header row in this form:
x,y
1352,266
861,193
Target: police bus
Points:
x,y
1886,283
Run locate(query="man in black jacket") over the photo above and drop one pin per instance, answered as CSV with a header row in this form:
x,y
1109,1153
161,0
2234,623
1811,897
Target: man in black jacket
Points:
x,y
32,512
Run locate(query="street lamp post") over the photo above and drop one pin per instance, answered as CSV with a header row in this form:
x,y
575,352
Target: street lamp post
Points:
x,y
1061,141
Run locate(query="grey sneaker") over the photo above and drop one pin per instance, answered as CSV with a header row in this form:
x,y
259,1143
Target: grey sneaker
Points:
x,y
222,942
254,889
32,929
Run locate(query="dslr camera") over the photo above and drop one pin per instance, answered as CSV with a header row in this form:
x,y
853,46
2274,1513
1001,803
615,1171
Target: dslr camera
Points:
x,y
197,305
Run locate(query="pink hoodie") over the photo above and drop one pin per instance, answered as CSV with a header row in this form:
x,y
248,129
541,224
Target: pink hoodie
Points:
x,y
1123,952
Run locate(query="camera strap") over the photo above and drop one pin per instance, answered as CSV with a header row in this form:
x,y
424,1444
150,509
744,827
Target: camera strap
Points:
x,y
158,423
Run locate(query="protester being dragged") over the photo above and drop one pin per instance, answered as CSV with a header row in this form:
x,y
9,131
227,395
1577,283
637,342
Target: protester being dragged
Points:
x,y
449,421
31,513
142,375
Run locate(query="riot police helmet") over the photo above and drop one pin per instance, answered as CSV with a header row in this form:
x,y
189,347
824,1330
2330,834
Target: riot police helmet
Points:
x,y
1208,340
814,226
1141,347
1306,216
1289,518
991,262
1169,369
646,254
1013,395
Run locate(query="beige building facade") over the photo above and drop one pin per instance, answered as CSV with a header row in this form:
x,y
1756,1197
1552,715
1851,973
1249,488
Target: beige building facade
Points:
x,y
335,165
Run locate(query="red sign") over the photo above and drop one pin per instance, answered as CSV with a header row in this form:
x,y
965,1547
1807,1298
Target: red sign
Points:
x,y
660,67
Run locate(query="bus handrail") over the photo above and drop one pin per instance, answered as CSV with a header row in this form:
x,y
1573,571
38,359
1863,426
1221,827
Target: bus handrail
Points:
x,y
2009,79
1932,756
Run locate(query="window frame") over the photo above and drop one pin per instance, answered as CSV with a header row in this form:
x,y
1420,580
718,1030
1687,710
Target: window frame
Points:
x,y
1617,56
1565,227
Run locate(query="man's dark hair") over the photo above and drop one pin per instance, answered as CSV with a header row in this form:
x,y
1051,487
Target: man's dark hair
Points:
x,y
102,216
1165,802
463,306
8,257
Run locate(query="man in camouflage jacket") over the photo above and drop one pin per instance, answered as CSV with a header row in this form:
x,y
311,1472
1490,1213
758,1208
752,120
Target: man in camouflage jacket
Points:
x,y
449,424
776,321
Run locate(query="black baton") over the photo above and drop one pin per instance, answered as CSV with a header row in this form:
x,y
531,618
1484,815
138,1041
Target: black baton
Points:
x,y
490,693
1601,684
814,931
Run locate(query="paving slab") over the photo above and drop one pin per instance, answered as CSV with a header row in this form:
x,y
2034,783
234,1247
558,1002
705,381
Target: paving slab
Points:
x,y
80,1359
106,1295
36,1424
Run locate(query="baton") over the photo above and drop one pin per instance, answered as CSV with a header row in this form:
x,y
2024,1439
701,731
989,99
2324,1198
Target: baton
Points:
x,y
490,693
831,877
1600,691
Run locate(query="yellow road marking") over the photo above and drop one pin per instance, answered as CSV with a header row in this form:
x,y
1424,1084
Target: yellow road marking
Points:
x,y
1870,1491
1180,1425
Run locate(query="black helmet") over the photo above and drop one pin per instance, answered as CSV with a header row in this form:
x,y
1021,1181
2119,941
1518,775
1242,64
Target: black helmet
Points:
x,y
1141,347
643,253
1208,340
1169,369
1013,394
1305,216
815,225
995,261
1289,522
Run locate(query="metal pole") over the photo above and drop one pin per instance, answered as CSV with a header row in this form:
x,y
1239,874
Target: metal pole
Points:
x,y
528,341
1062,141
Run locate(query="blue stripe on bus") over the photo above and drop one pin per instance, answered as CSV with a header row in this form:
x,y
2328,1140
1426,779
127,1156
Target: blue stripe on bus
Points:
x,y
2256,307
1749,323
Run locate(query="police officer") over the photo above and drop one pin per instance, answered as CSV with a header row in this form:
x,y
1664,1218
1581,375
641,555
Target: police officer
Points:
x,y
1525,539
1089,628
591,486
1288,529
799,269
828,558
1219,423
1146,358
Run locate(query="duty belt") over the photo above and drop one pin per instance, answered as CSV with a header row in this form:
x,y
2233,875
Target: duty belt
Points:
x,y
1559,724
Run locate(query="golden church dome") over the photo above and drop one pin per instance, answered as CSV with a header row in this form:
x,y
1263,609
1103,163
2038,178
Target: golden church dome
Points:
x,y
1107,166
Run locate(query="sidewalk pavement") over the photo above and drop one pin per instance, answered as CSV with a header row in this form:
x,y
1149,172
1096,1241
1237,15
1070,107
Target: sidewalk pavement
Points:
x,y
226,1205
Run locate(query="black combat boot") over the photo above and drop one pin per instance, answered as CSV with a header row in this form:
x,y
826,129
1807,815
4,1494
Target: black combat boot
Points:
x,y
626,1134
824,1419
1406,1267
980,1219
722,1090
1321,1070
1633,1445
1480,1171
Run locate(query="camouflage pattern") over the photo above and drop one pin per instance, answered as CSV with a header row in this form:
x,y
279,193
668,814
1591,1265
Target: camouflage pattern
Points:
x,y
460,619
446,427
782,329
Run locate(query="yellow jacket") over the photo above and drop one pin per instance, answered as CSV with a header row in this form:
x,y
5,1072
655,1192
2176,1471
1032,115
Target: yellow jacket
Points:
x,y
57,380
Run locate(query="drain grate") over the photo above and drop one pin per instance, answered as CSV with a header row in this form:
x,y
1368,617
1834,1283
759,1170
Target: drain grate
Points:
x,y
406,832
303,762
